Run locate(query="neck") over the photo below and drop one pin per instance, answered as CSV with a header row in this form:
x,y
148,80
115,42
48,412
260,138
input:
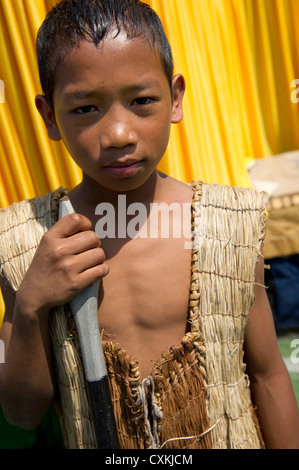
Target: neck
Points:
x,y
88,194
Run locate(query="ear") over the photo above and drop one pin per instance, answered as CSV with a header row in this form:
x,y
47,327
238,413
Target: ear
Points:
x,y
178,87
47,114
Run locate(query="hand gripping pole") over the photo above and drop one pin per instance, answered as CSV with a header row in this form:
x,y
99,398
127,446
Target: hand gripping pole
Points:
x,y
85,311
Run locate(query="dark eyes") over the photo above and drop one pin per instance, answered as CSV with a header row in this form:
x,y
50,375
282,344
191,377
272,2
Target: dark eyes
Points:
x,y
138,102
144,101
85,109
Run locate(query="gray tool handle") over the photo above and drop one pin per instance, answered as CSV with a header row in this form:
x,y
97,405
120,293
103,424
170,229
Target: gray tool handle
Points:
x,y
85,311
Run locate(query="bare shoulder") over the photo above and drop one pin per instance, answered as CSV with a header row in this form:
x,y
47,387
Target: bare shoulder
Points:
x,y
175,190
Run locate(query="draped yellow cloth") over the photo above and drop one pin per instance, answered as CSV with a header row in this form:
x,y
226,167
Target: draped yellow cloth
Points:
x,y
239,58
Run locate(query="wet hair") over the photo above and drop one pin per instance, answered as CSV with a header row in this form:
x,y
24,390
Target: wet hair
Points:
x,y
72,21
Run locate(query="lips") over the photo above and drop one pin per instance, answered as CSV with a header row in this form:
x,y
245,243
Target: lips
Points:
x,y
123,168
122,163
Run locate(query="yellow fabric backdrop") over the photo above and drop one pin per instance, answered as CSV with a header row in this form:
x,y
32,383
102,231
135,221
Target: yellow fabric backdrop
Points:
x,y
239,58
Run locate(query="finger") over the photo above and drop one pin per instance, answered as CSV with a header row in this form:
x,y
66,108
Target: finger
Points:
x,y
71,224
89,259
96,273
82,241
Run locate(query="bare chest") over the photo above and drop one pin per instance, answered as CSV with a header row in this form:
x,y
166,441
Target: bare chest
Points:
x,y
143,301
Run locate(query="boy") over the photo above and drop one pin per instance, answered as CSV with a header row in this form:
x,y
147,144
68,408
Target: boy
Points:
x,y
110,95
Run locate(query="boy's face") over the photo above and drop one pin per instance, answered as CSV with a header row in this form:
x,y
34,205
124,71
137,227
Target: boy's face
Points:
x,y
113,110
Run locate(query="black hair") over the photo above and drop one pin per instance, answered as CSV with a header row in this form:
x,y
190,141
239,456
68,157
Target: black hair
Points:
x,y
71,21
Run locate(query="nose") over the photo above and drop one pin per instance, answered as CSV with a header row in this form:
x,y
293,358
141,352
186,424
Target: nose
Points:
x,y
118,130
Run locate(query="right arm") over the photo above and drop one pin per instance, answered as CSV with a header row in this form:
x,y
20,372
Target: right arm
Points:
x,y
68,259
26,385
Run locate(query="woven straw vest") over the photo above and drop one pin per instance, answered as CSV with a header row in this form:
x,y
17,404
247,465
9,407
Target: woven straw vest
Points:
x,y
205,377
